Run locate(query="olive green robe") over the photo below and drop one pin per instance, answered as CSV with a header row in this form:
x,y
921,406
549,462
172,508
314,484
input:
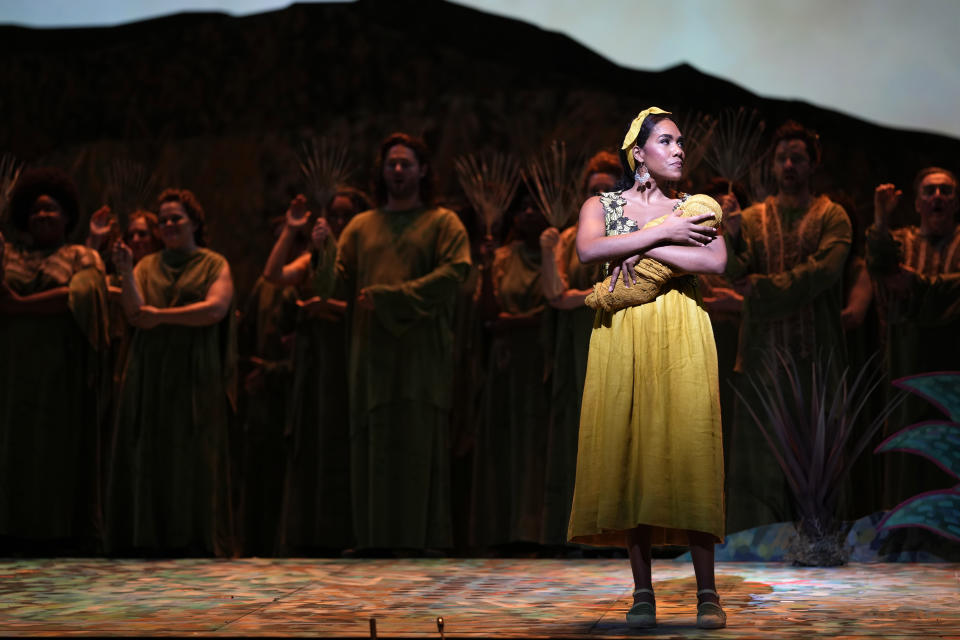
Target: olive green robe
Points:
x,y
317,513
400,370
54,378
169,488
267,319
570,331
468,377
921,335
795,260
513,425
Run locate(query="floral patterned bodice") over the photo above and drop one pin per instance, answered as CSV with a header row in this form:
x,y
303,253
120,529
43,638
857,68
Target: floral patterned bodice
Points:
x,y
617,223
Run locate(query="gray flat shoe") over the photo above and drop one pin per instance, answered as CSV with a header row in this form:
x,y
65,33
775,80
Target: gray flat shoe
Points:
x,y
642,615
709,614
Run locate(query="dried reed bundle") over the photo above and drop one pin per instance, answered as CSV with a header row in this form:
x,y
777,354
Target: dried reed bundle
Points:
x,y
128,187
735,142
325,163
489,182
551,178
9,172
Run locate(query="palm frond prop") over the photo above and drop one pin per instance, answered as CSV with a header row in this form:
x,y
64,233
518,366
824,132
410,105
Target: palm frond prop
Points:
x,y
551,177
697,130
325,164
128,187
489,181
736,140
9,172
809,425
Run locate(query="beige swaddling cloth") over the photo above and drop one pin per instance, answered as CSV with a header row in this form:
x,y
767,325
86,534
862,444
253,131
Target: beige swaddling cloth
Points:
x,y
651,274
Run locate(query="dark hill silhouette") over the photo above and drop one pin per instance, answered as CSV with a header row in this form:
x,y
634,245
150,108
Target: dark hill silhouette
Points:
x,y
218,103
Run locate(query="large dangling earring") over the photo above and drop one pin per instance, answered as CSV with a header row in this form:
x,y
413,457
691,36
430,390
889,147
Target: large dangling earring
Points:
x,y
641,179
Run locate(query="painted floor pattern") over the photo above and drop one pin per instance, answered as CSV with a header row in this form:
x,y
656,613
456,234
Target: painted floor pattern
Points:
x,y
477,598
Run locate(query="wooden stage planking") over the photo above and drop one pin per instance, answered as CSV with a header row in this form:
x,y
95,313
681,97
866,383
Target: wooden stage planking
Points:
x,y
477,598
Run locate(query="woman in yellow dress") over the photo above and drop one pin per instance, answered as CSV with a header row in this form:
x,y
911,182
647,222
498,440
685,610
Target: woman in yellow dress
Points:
x,y
650,456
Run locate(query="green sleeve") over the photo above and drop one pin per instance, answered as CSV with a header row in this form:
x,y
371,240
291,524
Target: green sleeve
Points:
x,y
777,295
88,304
335,267
400,306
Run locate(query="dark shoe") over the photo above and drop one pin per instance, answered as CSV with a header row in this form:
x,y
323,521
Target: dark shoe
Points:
x,y
642,615
709,614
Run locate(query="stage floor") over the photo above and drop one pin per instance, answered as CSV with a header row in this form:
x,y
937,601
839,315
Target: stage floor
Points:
x,y
479,598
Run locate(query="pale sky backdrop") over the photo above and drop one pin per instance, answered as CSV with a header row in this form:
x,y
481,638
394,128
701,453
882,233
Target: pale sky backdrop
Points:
x,y
893,62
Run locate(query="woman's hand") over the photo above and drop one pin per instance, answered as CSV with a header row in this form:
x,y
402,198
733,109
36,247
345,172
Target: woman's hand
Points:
x,y
321,231
255,381
102,224
689,232
723,300
732,216
886,197
297,214
122,257
148,317
318,308
365,301
549,239
487,250
625,269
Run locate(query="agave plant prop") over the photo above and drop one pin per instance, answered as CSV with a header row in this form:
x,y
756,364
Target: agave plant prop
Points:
x,y
809,428
489,182
736,139
325,164
9,172
697,130
551,178
128,187
939,442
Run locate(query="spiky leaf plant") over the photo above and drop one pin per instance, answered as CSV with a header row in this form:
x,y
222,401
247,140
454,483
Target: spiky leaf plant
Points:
x,y
489,181
551,177
325,164
808,426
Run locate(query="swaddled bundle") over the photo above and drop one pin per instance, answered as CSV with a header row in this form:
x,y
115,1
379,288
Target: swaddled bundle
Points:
x,y
651,274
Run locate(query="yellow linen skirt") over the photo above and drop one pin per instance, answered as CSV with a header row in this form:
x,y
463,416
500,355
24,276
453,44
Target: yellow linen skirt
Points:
x,y
651,445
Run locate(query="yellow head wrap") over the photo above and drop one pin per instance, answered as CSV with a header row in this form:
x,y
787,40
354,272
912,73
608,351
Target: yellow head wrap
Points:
x,y
631,138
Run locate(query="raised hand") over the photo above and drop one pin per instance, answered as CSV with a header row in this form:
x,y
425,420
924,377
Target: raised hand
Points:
x,y
732,216
677,229
549,238
102,222
321,231
885,200
487,249
122,257
297,213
